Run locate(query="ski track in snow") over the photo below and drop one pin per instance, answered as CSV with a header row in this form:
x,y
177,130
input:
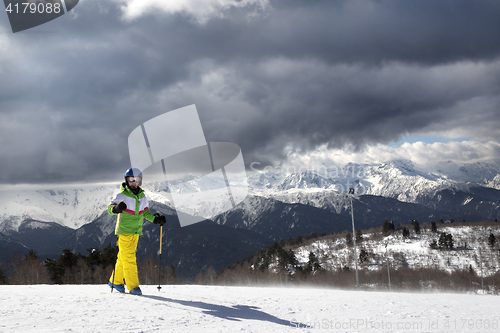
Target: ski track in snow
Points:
x,y
187,308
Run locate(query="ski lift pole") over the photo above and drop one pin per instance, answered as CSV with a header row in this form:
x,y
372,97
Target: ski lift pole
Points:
x,y
351,194
388,272
481,260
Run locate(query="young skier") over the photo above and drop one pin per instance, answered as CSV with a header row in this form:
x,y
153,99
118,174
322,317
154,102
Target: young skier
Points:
x,y
131,206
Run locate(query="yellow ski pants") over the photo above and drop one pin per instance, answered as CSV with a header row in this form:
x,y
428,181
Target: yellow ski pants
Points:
x,y
126,263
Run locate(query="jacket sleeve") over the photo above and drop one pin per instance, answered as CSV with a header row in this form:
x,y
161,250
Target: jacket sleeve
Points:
x,y
110,209
147,213
116,200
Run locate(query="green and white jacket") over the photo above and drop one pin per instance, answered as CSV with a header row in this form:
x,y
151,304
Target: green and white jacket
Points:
x,y
131,219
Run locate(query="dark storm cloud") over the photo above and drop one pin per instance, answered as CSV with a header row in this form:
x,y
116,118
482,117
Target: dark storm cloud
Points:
x,y
299,73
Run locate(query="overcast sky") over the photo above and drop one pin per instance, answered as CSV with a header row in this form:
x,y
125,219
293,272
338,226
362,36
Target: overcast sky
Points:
x,y
272,76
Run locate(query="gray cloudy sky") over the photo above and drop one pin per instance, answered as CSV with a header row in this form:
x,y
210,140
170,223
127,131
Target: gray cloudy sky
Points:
x,y
264,74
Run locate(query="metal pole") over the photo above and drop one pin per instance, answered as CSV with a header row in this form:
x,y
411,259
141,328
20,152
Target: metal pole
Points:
x,y
388,273
493,267
351,193
481,260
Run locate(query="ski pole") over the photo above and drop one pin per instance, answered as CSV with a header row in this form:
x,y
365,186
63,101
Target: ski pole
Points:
x,y
114,266
159,266
117,250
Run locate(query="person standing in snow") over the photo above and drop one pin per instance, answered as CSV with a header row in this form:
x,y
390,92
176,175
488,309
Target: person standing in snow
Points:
x,y
131,206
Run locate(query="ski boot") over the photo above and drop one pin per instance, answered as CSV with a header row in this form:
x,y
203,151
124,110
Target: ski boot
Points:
x,y
119,287
136,291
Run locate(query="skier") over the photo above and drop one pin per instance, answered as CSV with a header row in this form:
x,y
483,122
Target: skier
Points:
x,y
131,206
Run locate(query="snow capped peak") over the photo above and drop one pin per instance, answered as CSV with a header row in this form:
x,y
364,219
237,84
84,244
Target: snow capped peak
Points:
x,y
495,182
477,172
303,180
402,164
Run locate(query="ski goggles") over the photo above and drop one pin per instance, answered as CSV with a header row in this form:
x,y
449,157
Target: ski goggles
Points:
x,y
136,179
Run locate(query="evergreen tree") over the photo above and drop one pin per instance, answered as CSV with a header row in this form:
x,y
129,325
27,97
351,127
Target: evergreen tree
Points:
x,y
433,226
492,240
363,256
3,277
264,263
107,256
441,221
68,259
31,255
433,245
348,238
449,241
406,233
93,259
295,240
359,236
173,271
55,270
388,227
287,259
58,268
313,263
416,226
292,259
442,241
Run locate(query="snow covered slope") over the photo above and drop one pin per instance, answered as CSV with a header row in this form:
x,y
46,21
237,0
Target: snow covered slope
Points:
x,y
470,250
92,308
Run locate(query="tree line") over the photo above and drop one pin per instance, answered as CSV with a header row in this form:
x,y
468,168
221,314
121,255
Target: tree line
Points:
x,y
95,267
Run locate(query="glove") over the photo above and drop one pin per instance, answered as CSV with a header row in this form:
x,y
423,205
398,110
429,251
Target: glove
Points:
x,y
159,219
119,208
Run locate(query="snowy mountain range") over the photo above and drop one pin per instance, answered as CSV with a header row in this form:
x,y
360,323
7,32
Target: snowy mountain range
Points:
x,y
74,206
280,204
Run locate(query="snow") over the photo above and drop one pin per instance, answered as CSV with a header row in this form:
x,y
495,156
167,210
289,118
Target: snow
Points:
x,y
92,308
470,250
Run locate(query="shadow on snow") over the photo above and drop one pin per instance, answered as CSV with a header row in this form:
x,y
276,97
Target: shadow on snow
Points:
x,y
235,313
